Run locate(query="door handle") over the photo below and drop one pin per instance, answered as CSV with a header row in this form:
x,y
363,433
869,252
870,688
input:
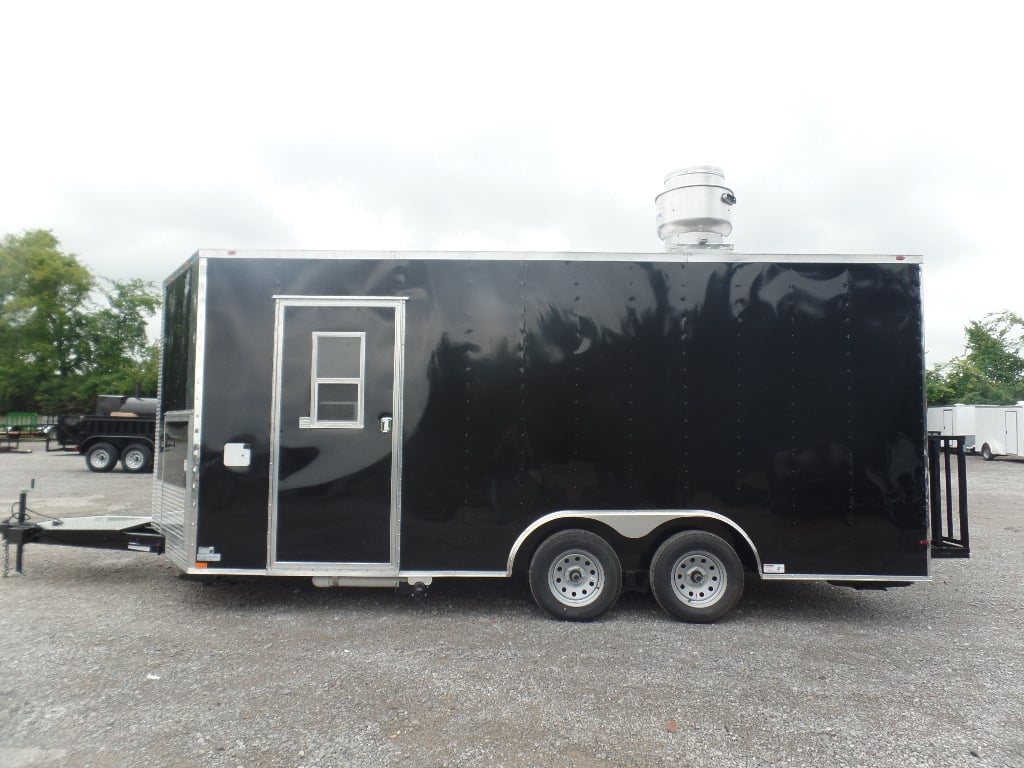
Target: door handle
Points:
x,y
385,424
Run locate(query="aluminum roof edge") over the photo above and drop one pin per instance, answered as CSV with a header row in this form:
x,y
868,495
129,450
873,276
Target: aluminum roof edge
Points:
x,y
695,256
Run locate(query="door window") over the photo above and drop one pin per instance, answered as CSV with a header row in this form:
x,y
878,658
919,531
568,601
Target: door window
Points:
x,y
339,365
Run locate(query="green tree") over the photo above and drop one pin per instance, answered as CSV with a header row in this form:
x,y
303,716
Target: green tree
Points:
x,y
991,370
42,293
938,390
66,336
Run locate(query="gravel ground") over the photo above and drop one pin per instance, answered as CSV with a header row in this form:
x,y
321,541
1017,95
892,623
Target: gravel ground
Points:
x,y
113,659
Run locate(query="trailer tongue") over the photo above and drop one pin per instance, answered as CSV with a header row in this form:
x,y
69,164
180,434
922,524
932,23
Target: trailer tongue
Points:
x,y
134,533
97,532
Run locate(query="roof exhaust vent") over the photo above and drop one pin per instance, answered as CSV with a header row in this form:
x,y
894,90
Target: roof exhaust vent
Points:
x,y
695,209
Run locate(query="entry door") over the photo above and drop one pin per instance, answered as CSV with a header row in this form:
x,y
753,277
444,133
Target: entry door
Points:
x,y
1012,439
337,428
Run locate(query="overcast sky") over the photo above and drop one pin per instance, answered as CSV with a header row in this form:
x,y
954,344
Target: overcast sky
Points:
x,y
141,132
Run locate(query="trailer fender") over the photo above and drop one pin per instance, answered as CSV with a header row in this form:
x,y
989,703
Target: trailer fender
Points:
x,y
630,524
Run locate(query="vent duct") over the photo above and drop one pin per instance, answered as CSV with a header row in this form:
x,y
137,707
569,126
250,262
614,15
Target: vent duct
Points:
x,y
695,209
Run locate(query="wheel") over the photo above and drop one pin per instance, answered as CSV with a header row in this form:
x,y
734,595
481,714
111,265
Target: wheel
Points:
x,y
986,452
137,458
575,575
101,457
696,576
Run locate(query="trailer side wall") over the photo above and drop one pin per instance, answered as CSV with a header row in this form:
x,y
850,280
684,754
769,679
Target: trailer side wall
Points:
x,y
785,396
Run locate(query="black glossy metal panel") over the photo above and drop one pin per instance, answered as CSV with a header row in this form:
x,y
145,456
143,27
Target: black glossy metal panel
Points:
x,y
785,396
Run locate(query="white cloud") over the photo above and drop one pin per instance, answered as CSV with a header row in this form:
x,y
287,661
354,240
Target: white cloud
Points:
x,y
139,133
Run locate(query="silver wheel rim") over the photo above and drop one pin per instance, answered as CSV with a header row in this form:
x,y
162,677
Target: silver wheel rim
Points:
x,y
576,578
699,579
134,460
99,459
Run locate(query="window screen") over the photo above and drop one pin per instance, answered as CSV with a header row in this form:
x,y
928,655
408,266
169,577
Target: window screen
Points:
x,y
338,373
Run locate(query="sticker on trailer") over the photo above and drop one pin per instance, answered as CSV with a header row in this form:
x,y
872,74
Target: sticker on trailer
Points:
x,y
207,555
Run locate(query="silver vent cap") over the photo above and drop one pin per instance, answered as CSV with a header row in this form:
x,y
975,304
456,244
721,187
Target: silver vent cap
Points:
x,y
695,209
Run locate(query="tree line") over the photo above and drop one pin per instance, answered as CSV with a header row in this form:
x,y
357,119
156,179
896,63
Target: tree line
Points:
x,y
991,369
67,335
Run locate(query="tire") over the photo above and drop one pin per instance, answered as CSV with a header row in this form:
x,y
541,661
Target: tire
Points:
x,y
101,457
696,576
137,457
986,452
575,575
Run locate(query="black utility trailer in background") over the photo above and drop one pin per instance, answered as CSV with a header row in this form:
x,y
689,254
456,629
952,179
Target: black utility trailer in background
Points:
x,y
123,428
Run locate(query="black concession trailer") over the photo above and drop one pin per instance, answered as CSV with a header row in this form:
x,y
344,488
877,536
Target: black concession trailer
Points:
x,y
673,420
676,421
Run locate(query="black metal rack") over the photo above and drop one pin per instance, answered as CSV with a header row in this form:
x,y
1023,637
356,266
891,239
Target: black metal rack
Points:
x,y
950,533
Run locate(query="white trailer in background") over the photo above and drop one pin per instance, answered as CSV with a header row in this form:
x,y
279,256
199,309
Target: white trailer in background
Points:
x,y
949,420
999,430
